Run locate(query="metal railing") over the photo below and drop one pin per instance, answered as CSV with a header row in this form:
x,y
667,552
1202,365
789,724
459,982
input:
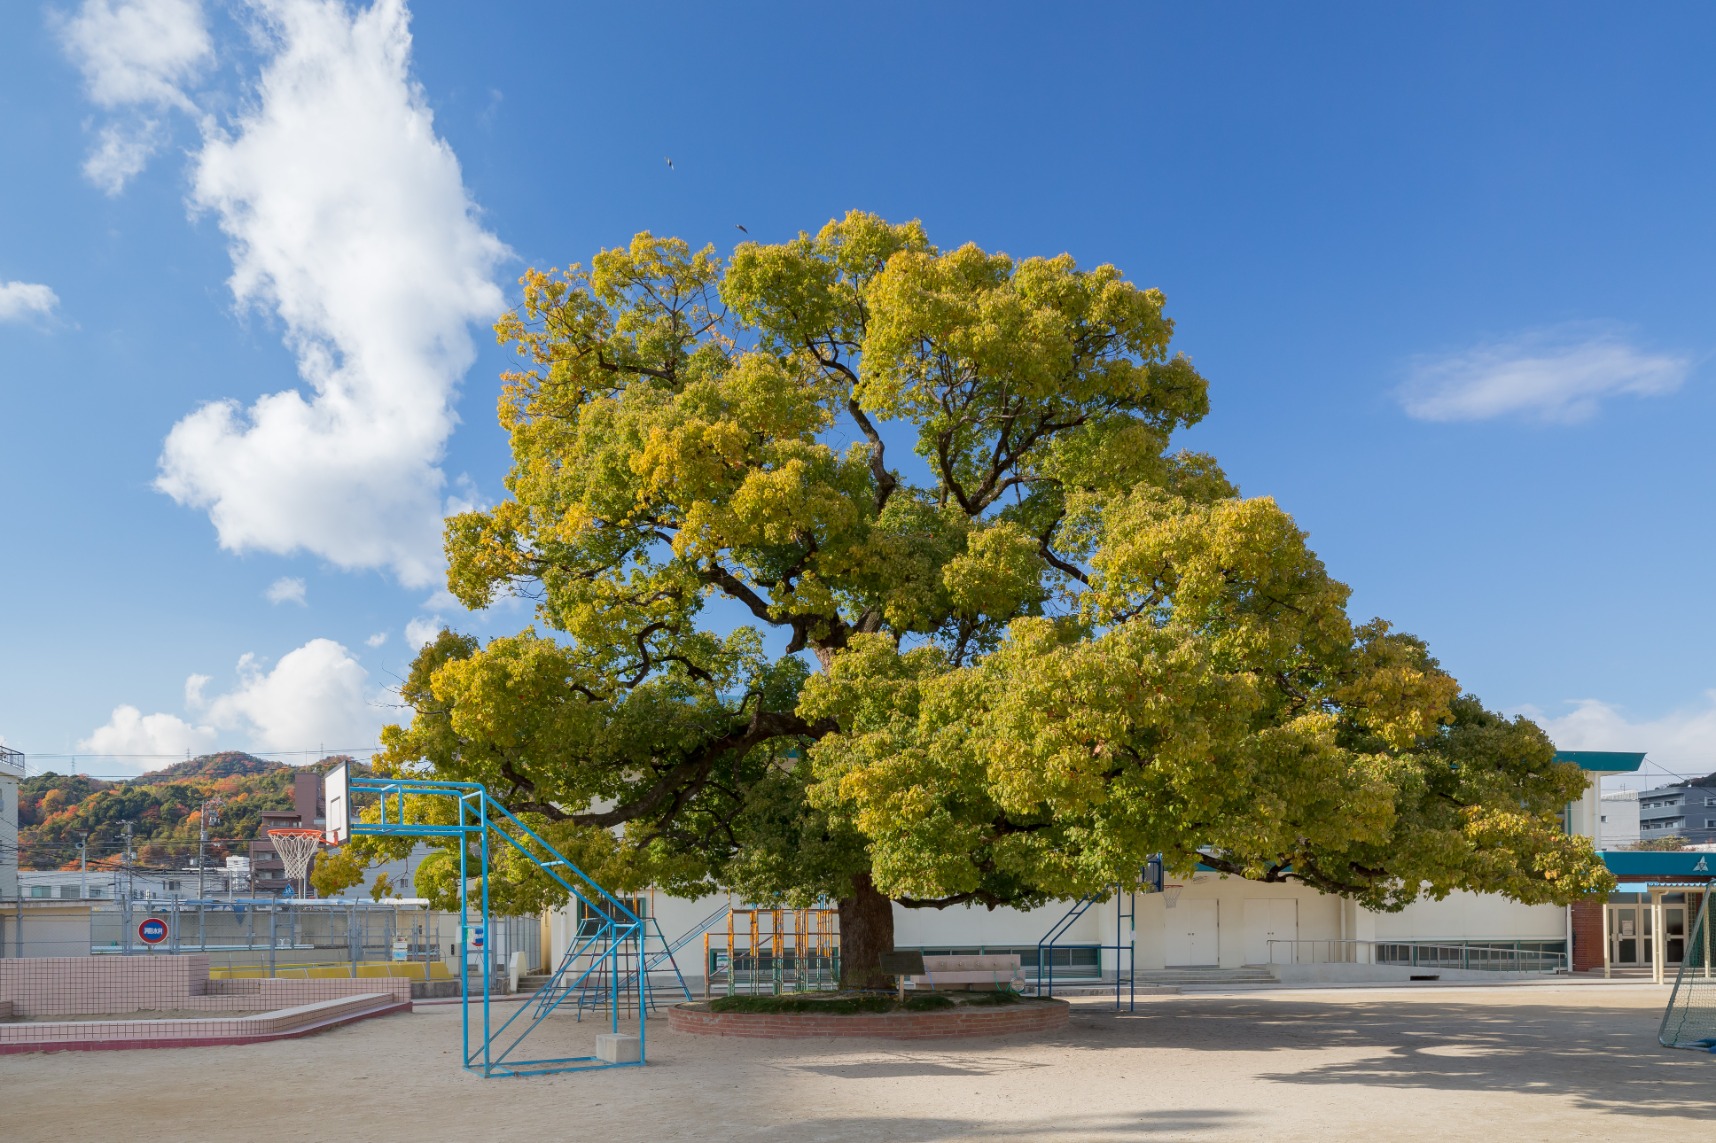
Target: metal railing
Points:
x,y
1479,956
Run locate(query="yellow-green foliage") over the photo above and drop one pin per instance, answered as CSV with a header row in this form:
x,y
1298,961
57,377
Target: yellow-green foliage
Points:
x,y
1007,665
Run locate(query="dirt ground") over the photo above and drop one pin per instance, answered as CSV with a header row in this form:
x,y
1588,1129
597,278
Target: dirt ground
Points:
x,y
1524,1063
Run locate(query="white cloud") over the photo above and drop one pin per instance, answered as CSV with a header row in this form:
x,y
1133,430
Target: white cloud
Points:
x,y
376,640
442,600
348,218
20,300
1558,375
316,696
137,51
120,154
421,631
286,589
137,57
131,732
1682,742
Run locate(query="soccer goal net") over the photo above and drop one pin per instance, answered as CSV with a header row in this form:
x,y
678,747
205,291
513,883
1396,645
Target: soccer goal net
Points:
x,y
1690,1019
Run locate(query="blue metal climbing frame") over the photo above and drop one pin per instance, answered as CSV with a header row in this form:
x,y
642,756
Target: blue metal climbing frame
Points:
x,y
416,807
1125,943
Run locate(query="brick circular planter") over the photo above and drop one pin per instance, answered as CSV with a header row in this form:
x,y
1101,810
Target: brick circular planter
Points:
x,y
1035,1016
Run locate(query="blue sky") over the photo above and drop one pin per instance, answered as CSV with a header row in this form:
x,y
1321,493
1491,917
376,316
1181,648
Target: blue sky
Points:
x,y
1445,266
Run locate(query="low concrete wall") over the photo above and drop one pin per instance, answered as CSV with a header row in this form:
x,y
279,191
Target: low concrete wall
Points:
x,y
1381,973
75,986
96,1035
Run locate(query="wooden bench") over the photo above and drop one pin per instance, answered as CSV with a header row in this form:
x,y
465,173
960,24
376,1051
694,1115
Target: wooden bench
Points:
x,y
970,972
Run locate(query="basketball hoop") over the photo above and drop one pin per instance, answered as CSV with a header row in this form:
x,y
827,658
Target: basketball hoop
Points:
x,y
1171,895
296,847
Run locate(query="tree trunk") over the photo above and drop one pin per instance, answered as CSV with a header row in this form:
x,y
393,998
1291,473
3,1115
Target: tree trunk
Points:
x,y
866,932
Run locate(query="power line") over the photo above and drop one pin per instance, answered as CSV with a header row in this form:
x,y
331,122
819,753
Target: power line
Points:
x,y
263,754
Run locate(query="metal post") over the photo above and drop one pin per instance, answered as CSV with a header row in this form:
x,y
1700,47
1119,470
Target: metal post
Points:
x,y
488,926
273,941
18,926
464,933
351,937
1658,942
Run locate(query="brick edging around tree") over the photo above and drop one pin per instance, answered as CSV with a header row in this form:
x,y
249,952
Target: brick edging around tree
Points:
x,y
1005,1020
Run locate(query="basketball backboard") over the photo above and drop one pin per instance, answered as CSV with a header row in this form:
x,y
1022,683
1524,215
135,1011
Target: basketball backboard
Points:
x,y
336,800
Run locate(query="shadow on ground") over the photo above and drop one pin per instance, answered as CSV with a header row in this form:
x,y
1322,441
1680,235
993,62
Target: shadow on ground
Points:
x,y
928,1129
1604,1059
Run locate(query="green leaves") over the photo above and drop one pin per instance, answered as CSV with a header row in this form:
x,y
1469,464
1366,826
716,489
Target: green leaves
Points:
x,y
1065,649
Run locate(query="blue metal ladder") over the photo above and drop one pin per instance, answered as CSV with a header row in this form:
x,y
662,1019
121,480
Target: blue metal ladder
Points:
x,y
1125,925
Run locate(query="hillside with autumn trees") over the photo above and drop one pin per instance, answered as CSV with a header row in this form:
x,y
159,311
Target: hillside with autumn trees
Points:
x,y
164,807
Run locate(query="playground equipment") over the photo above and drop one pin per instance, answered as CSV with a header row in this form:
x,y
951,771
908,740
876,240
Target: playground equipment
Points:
x,y
1689,1021
464,811
773,951
1124,948
636,962
296,845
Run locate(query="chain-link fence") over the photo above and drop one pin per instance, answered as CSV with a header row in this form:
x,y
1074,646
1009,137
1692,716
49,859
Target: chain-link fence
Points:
x,y
275,938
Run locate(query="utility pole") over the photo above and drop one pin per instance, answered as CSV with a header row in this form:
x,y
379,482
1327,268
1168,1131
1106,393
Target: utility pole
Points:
x,y
83,868
210,812
126,862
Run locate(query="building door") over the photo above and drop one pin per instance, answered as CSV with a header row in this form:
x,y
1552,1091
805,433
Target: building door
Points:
x,y
1192,938
1270,919
1674,931
1629,934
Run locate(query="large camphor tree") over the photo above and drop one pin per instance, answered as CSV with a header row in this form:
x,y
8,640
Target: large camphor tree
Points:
x,y
869,573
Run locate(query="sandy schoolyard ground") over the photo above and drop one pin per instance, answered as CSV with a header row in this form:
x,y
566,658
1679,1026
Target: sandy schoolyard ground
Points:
x,y
1566,1062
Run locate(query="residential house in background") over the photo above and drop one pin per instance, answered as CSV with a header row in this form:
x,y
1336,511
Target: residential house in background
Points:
x,y
268,871
1684,810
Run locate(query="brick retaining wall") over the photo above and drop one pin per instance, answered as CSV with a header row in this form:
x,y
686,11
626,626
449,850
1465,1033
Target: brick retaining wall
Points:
x,y
1006,1020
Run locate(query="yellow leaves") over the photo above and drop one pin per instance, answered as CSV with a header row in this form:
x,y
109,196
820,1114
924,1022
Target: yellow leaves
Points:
x,y
660,268
1396,690
999,572
683,429
1237,569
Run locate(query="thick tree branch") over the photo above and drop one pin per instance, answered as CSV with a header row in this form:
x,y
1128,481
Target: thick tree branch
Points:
x,y
763,726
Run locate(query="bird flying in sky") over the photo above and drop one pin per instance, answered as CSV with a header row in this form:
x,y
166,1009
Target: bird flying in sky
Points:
x,y
669,164
741,228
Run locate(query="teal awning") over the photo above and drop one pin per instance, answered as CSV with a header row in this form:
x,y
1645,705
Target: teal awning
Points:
x,y
1603,761
1651,863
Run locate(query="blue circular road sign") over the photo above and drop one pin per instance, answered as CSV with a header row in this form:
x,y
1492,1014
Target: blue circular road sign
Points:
x,y
152,930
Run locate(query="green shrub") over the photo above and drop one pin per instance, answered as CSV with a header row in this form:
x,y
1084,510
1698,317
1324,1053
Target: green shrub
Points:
x,y
839,1004
928,1001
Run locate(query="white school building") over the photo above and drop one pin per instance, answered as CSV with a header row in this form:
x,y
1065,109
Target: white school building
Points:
x,y
1213,922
